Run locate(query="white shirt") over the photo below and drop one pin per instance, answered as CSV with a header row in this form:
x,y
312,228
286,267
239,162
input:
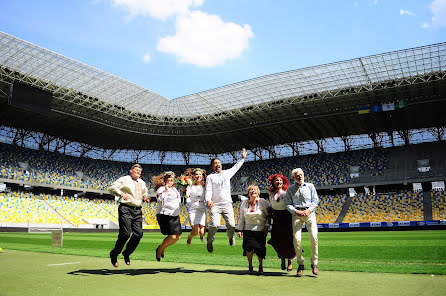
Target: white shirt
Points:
x,y
277,200
253,219
168,202
195,197
218,186
136,189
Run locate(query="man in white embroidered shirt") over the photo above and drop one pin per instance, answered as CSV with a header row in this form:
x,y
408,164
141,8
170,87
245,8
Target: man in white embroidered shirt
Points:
x,y
131,191
301,200
218,199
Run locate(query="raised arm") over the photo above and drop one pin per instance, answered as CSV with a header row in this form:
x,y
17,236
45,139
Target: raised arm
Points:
x,y
231,172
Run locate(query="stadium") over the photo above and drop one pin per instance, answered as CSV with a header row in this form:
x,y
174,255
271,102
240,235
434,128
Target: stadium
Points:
x,y
368,132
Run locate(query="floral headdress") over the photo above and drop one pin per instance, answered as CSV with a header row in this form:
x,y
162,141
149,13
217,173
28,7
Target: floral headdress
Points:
x,y
190,173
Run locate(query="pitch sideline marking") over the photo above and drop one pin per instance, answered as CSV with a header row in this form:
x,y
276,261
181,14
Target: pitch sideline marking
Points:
x,y
63,263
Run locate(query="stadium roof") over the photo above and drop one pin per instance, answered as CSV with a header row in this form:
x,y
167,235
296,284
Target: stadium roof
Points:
x,y
322,101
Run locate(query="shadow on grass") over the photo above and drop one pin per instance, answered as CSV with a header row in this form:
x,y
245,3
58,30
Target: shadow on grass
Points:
x,y
134,272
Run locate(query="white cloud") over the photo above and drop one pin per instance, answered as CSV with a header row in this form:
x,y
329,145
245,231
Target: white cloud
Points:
x,y
200,38
159,9
407,12
375,2
425,25
146,58
438,9
205,40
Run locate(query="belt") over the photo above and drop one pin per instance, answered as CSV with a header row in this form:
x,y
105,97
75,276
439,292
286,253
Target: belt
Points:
x,y
302,209
198,201
127,205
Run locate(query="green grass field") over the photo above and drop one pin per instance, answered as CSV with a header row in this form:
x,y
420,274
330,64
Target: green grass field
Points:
x,y
385,251
30,273
391,263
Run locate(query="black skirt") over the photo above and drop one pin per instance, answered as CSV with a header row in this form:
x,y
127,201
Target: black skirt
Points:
x,y
254,241
282,234
169,224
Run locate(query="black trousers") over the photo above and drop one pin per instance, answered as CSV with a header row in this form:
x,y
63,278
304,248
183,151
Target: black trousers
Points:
x,y
130,226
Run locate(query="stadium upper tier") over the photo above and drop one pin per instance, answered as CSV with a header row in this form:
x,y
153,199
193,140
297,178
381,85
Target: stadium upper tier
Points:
x,y
44,167
324,100
327,170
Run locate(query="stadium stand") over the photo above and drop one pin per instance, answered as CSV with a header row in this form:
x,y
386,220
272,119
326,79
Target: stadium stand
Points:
x,y
77,210
110,207
324,170
404,206
438,205
57,169
149,214
329,207
22,208
321,169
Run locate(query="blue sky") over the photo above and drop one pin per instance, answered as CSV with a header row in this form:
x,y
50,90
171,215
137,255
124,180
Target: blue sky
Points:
x,y
179,47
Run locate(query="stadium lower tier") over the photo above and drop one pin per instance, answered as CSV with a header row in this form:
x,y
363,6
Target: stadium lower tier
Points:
x,y
24,209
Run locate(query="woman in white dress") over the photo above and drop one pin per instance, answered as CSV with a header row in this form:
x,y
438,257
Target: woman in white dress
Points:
x,y
252,224
196,204
167,210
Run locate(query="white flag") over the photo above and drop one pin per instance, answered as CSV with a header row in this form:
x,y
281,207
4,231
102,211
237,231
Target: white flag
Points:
x,y
388,107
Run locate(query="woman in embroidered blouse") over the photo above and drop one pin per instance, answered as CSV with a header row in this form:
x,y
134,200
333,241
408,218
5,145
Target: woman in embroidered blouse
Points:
x,y
252,225
196,203
167,210
282,230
